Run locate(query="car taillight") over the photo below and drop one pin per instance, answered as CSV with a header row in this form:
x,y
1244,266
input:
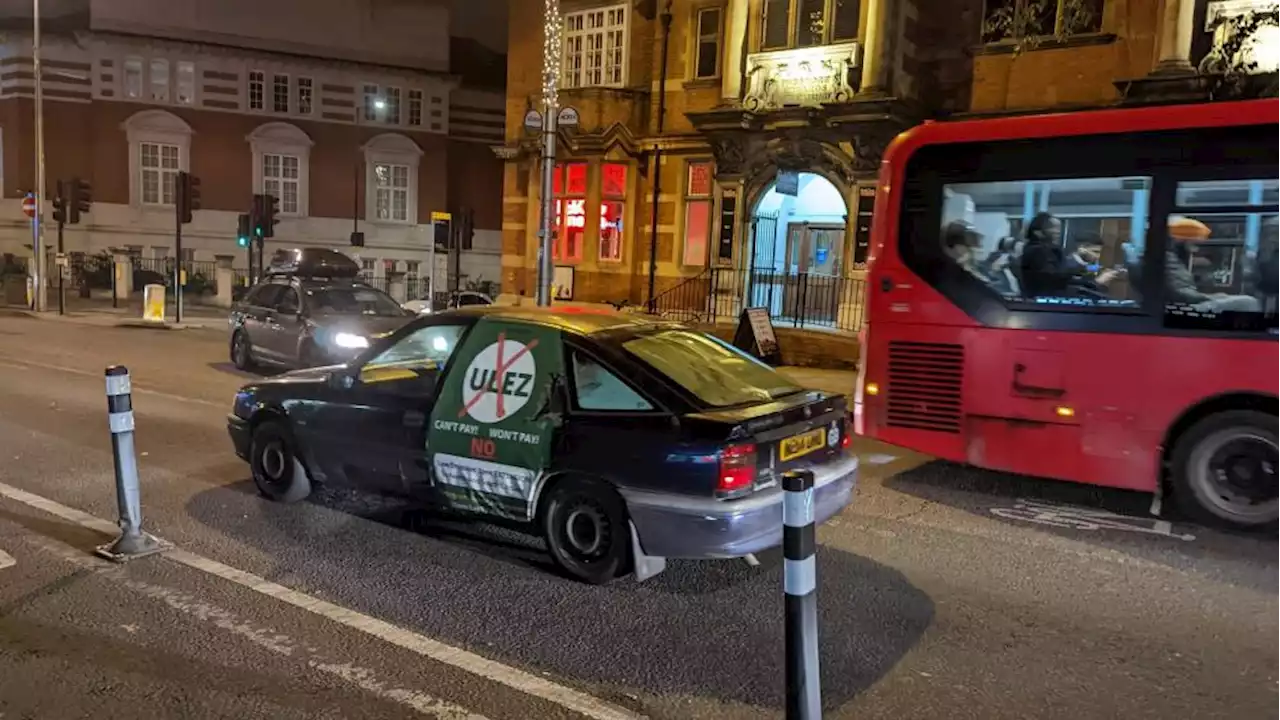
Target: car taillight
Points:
x,y
847,439
737,468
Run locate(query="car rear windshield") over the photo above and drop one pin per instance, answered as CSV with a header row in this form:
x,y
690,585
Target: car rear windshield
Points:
x,y
718,374
352,301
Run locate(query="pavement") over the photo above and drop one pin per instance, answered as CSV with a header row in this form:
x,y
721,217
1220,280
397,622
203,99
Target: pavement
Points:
x,y
945,592
103,313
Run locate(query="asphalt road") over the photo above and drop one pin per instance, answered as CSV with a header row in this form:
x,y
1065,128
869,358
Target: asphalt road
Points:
x,y
945,592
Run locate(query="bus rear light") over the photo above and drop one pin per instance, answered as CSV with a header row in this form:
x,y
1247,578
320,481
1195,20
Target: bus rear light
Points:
x,y
737,468
1064,412
872,388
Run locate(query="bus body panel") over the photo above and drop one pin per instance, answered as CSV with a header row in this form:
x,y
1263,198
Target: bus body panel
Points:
x,y
1090,407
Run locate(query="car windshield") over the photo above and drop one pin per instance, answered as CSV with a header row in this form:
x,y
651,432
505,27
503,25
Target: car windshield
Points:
x,y
717,373
352,301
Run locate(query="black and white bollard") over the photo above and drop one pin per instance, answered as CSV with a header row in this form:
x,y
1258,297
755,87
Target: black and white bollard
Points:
x,y
133,542
799,582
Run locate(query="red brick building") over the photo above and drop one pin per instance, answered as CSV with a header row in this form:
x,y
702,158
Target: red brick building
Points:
x,y
349,113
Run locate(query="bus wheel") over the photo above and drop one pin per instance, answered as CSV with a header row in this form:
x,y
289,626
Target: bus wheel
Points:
x,y
1224,469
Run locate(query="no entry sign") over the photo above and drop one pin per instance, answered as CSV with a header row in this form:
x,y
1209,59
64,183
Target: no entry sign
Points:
x,y
29,205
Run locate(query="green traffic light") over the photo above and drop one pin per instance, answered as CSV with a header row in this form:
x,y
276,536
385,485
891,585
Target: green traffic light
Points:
x,y
242,241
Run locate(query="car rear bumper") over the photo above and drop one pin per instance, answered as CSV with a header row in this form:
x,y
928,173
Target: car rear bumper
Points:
x,y
238,429
678,526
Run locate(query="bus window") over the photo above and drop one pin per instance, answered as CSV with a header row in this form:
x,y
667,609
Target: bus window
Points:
x,y
1050,243
1220,265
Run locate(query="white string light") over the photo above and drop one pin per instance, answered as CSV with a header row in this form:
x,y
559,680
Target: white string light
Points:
x,y
552,26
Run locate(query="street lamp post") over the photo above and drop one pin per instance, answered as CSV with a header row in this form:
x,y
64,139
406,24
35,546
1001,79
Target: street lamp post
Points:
x,y
39,299
551,28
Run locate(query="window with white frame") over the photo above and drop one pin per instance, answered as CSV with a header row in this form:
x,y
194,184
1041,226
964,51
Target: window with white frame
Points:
x,y
160,80
415,107
393,106
280,93
186,82
159,164
133,78
367,268
281,177
391,192
306,93
257,90
281,160
595,48
371,102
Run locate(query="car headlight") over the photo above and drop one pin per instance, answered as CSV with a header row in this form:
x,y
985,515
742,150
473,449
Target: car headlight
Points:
x,y
349,340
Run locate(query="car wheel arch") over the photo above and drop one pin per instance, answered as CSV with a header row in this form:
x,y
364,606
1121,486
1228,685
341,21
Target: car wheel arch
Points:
x,y
546,482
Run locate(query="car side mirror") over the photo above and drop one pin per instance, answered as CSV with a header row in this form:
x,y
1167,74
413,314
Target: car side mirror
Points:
x,y
343,379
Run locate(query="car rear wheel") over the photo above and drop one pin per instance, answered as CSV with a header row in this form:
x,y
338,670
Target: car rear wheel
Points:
x,y
273,458
585,526
1224,469
241,351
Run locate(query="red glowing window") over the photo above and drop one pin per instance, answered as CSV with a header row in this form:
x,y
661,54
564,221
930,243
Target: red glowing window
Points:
x,y
613,180
611,230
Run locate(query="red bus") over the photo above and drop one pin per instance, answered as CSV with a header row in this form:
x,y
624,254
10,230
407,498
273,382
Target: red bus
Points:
x,y
1087,297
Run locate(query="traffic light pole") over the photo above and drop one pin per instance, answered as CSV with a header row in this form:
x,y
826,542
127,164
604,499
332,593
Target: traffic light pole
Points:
x,y
39,298
62,302
177,268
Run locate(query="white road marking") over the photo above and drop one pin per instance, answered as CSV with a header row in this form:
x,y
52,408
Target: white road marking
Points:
x,y
1071,517
137,390
6,560
361,677
878,459
514,678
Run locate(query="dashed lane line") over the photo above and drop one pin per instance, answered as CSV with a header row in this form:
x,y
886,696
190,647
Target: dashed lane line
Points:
x,y
513,678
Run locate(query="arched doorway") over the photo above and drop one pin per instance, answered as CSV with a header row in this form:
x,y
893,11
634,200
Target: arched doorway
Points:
x,y
799,250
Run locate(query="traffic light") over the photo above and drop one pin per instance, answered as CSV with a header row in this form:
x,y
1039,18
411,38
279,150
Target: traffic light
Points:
x,y
80,200
265,208
243,229
271,206
59,205
467,229
188,196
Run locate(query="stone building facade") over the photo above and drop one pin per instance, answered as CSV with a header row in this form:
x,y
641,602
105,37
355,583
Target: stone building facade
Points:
x,y
349,112
703,127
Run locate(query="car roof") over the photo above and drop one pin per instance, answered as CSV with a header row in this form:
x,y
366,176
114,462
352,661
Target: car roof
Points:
x,y
579,320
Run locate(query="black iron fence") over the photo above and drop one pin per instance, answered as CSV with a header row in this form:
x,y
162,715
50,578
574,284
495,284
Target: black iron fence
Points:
x,y
795,299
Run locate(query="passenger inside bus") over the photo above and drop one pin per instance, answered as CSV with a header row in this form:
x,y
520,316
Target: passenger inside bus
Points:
x,y
1181,288
1048,271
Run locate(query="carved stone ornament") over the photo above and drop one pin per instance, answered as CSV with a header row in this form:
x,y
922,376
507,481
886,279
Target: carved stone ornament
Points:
x,y
868,149
730,153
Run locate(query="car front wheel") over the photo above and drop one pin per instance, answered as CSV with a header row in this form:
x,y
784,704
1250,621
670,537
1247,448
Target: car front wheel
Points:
x,y
1224,469
241,351
277,471
585,526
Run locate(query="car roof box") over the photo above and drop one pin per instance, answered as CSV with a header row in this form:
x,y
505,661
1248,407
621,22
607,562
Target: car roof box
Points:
x,y
312,262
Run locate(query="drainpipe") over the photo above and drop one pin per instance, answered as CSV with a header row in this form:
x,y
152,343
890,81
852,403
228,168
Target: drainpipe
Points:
x,y
665,17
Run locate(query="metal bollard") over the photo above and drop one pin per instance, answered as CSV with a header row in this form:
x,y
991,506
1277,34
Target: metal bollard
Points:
x,y
799,582
133,542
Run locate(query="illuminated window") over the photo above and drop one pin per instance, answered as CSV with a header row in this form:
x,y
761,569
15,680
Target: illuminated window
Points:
x,y
806,23
613,192
133,78
186,83
571,211
697,212
595,48
160,80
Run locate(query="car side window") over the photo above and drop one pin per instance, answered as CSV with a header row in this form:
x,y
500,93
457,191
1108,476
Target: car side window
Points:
x,y
434,344
596,388
264,296
288,302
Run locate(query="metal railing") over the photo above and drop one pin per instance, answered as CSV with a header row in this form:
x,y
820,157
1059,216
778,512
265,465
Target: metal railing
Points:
x,y
795,299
